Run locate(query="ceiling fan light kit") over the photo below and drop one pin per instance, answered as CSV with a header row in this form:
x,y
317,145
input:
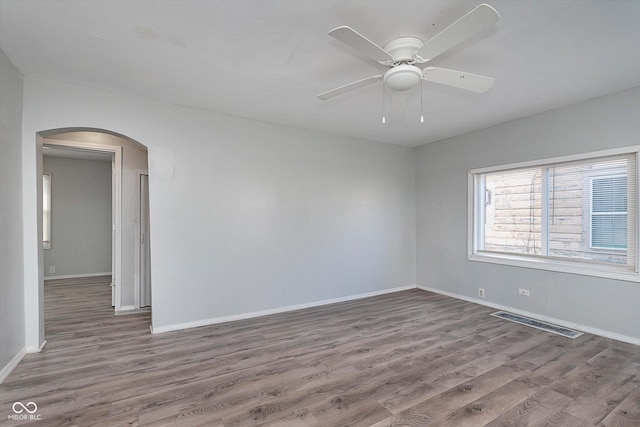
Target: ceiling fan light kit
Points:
x,y
402,77
402,54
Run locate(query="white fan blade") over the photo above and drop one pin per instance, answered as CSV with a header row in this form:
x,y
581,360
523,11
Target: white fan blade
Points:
x,y
459,79
473,22
359,42
351,86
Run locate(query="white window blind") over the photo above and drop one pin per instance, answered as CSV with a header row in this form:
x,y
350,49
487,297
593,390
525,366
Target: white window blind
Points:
x,y
609,212
579,211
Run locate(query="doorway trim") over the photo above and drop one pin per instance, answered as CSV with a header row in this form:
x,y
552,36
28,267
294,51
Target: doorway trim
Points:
x,y
116,262
137,285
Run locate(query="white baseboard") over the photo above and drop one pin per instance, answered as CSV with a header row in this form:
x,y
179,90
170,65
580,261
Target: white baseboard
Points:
x,y
128,309
4,373
243,316
75,276
36,349
577,326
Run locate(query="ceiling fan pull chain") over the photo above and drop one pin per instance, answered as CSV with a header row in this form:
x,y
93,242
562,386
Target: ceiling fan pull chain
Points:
x,y
421,109
384,120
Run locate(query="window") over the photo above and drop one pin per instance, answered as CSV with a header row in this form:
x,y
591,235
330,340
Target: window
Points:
x,y
573,214
46,210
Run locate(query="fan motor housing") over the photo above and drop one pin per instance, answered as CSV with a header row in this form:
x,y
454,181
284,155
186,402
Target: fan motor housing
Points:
x,y
402,77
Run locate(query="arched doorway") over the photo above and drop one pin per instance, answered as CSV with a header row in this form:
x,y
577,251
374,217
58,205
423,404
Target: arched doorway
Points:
x,y
129,166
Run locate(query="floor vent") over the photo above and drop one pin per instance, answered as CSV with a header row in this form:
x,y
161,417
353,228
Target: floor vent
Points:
x,y
549,327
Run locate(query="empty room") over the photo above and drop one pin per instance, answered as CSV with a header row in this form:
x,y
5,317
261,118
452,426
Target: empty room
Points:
x,y
319,212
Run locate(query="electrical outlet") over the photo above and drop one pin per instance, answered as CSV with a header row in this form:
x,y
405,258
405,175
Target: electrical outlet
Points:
x,y
52,269
524,292
481,292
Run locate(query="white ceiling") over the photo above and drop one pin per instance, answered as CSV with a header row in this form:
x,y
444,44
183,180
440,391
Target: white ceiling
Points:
x,y
266,60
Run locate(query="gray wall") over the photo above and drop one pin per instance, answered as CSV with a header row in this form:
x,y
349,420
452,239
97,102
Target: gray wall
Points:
x,y
441,170
80,217
259,217
12,319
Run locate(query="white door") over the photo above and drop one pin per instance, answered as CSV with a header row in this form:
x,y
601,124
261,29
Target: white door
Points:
x,y
145,250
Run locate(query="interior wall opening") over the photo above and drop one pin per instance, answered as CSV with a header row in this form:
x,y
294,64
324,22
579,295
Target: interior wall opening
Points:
x,y
118,249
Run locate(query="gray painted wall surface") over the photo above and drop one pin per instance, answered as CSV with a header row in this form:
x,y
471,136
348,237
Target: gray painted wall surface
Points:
x,y
12,319
247,216
80,217
260,217
441,183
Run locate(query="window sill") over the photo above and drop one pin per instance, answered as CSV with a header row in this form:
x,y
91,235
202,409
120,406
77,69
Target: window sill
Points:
x,y
585,269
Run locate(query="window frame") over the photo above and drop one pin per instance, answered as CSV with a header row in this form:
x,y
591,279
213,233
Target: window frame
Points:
x,y
476,220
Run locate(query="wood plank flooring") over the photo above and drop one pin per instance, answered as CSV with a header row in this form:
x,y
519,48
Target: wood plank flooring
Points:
x,y
411,358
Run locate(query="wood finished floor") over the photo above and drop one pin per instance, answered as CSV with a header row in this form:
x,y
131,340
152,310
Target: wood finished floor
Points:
x,y
410,358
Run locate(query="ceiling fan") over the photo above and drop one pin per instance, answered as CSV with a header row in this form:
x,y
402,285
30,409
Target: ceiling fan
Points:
x,y
404,53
